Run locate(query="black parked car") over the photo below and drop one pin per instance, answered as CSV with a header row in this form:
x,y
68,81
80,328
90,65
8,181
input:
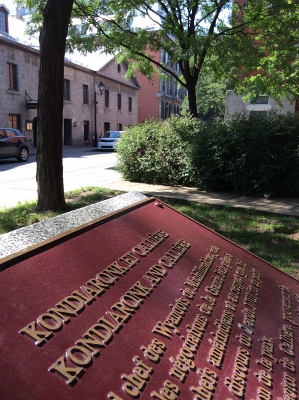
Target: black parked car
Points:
x,y
13,144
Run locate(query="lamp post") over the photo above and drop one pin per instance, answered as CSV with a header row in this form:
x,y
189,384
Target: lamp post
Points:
x,y
101,87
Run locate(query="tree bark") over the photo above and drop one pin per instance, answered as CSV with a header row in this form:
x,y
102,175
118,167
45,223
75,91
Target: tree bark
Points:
x,y
49,173
192,100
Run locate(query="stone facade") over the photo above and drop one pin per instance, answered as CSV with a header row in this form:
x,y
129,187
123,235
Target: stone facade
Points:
x,y
83,121
235,104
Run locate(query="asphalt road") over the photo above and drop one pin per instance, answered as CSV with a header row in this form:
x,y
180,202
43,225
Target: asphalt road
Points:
x,y
81,168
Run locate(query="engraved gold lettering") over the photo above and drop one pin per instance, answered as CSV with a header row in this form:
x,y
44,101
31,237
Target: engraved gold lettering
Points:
x,y
130,301
101,286
268,348
91,343
208,379
91,292
164,261
201,393
129,259
79,356
265,377
263,394
79,295
266,364
286,336
217,352
118,318
205,308
136,382
50,322
245,340
290,386
182,364
188,293
169,391
140,291
62,311
152,278
74,302
105,278
209,299
100,330
288,364
230,306
176,315
154,351
40,337
69,373
113,396
200,272
140,250
163,330
237,386
70,306
123,308
116,270
237,382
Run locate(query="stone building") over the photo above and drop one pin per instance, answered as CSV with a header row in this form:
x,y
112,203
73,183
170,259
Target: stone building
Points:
x,y
96,99
263,104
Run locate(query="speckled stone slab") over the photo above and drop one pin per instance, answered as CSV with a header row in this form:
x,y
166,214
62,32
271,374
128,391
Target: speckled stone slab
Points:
x,y
21,239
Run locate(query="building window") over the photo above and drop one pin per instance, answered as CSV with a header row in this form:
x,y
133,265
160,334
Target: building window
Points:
x,y
29,125
119,127
86,131
130,104
3,21
85,94
15,121
119,101
12,77
118,68
66,90
260,100
106,98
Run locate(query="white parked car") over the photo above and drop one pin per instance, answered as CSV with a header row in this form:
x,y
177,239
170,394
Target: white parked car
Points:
x,y
109,140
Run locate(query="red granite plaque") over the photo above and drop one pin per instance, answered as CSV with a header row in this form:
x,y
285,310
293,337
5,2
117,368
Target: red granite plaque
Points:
x,y
147,304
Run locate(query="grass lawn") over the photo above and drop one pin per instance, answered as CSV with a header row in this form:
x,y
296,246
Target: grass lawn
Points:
x,y
275,238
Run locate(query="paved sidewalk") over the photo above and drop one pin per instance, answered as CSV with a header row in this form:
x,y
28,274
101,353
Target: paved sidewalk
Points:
x,y
280,206
287,206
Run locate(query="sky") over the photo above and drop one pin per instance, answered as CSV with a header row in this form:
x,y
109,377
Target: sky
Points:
x,y
17,28
8,4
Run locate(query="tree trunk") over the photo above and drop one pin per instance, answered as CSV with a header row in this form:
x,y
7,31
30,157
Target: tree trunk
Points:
x,y
191,77
49,173
192,99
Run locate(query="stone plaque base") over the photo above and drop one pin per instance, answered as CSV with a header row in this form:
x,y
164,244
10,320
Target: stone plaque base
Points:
x,y
148,304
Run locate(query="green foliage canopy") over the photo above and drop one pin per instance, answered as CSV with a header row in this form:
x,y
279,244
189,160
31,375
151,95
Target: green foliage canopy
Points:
x,y
229,37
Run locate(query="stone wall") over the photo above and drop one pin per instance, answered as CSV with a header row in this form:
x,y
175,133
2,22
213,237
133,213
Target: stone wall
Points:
x,y
234,103
27,61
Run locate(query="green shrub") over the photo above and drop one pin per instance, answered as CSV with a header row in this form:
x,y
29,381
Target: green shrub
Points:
x,y
249,155
159,152
253,156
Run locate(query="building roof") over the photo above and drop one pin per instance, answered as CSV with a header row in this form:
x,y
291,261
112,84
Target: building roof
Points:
x,y
94,61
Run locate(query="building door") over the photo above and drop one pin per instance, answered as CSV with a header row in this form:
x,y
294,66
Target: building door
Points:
x,y
67,131
106,127
34,127
86,131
